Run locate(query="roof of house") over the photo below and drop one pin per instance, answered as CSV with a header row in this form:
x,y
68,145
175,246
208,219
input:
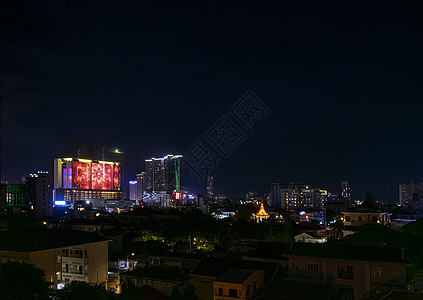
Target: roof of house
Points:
x,y
216,267
270,250
235,275
110,232
310,234
43,239
161,273
348,252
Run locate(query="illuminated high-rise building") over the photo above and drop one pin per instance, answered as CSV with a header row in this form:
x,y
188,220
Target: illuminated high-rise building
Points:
x,y
17,197
85,179
154,168
209,187
408,191
132,190
345,195
296,196
163,174
141,185
40,194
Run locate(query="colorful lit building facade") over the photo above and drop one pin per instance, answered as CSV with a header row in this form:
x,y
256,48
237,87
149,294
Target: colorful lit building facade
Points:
x,y
85,179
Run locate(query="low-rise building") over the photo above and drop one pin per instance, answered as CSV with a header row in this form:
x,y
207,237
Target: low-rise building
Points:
x,y
163,280
238,284
64,255
309,237
362,218
211,269
363,270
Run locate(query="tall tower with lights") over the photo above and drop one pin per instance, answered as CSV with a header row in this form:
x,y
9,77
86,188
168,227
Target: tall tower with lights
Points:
x,y
345,193
210,188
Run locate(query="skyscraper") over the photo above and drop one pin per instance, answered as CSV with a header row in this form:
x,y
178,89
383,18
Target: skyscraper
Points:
x,y
163,174
40,194
132,190
345,195
406,192
210,189
276,195
141,185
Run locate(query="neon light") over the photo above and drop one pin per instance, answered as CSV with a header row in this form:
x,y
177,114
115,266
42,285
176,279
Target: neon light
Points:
x,y
81,174
101,176
85,160
65,178
60,203
177,174
116,182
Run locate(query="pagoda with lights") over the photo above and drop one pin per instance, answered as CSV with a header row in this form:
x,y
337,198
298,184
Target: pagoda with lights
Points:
x,y
262,215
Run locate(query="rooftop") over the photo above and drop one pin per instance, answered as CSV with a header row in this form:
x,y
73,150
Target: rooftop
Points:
x,y
216,267
43,239
164,273
235,275
348,252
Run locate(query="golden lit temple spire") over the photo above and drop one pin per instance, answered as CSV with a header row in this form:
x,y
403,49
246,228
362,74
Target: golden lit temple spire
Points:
x,y
262,214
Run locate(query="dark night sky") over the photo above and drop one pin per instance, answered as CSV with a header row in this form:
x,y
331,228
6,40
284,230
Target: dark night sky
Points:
x,y
343,82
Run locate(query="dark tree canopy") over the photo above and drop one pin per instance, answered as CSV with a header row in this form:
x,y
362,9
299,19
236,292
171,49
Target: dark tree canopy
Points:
x,y
22,281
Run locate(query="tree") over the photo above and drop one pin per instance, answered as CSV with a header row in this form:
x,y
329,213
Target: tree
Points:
x,y
130,292
80,290
176,295
22,281
375,235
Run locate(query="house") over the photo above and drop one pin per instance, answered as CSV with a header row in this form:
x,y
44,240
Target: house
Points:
x,y
64,255
209,269
238,284
360,218
362,269
309,237
163,280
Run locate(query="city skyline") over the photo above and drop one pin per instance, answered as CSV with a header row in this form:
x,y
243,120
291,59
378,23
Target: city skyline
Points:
x,y
343,83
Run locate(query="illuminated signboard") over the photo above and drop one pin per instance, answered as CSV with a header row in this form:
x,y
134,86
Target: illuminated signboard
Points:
x,y
81,173
101,176
116,183
65,178
87,175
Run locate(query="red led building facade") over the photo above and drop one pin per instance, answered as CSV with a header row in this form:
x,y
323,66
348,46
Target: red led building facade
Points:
x,y
84,179
116,177
101,176
91,175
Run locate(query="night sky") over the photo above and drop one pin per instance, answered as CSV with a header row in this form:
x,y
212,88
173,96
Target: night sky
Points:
x,y
344,84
